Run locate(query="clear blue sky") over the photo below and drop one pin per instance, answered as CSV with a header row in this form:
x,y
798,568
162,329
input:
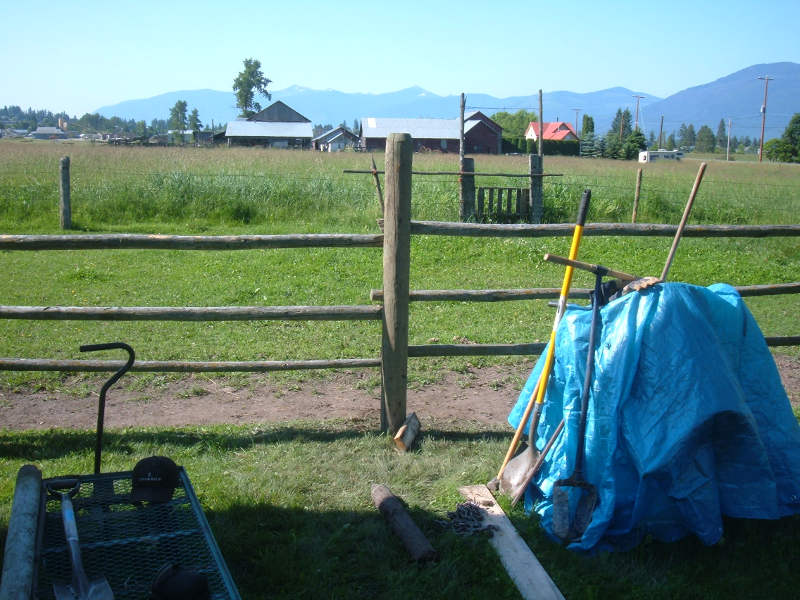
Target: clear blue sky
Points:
x,y
78,56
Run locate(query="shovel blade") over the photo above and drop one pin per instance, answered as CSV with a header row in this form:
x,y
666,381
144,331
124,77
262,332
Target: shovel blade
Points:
x,y
515,474
566,526
99,589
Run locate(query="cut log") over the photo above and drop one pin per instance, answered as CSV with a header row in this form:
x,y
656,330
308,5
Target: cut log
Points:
x,y
405,436
392,509
525,570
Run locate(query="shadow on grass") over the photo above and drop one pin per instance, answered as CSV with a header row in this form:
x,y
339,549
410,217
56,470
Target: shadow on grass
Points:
x,y
55,443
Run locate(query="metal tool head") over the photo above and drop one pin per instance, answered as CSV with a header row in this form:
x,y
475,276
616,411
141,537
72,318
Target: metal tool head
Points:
x,y
97,589
572,527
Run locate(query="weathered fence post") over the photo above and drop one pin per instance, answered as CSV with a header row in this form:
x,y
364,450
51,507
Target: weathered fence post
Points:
x,y
396,266
636,195
467,203
65,209
536,207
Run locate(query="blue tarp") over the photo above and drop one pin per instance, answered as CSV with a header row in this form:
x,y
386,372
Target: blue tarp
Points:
x,y
688,420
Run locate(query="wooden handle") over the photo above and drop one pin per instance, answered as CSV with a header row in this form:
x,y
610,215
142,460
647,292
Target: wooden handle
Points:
x,y
685,218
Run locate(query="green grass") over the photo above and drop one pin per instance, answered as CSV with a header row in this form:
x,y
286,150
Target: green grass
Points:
x,y
290,507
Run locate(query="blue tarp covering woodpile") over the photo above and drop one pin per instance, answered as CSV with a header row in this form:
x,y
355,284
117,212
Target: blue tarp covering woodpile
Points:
x,y
688,420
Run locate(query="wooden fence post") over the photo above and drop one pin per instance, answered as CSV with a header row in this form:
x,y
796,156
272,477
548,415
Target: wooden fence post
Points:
x,y
396,267
467,204
65,209
536,207
636,195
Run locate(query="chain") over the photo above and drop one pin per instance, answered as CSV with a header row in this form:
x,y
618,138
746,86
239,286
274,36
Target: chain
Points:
x,y
466,520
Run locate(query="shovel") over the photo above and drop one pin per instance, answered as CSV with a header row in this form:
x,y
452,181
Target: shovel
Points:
x,y
524,460
81,588
587,492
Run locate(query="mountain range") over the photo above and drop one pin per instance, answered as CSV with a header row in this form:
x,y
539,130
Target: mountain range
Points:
x,y
738,97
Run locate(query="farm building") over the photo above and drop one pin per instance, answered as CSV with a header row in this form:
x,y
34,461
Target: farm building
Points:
x,y
48,133
335,140
559,131
481,134
277,126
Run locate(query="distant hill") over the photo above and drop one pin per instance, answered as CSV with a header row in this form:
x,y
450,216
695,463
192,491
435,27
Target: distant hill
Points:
x,y
737,96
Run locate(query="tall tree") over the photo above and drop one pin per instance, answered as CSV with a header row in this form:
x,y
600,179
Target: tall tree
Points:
x,y
722,135
690,135
791,136
514,124
194,120
671,141
248,84
705,140
623,119
587,126
177,116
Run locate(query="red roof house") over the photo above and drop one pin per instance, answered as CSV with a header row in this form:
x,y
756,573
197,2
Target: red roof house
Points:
x,y
559,131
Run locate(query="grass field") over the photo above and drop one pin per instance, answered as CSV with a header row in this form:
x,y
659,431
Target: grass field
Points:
x,y
289,503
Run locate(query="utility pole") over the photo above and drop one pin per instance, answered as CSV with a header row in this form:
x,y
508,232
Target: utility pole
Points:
x,y
462,105
728,151
661,134
636,127
577,110
766,79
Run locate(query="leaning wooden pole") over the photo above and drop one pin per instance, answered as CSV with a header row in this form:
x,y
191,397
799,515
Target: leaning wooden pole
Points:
x,y
396,267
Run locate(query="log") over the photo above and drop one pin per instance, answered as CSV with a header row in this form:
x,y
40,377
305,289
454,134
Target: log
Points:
x,y
19,564
129,241
405,436
522,566
177,366
192,313
393,510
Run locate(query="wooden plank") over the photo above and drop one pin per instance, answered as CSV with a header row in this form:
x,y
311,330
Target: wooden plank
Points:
x,y
481,214
127,241
487,295
64,203
193,313
521,564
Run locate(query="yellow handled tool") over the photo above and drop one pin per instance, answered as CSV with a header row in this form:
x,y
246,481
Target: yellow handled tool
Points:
x,y
537,397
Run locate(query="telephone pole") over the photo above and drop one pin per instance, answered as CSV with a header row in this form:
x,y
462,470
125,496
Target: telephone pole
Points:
x,y
577,110
728,151
636,127
766,79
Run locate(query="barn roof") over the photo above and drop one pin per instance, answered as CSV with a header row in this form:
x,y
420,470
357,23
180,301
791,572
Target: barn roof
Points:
x,y
445,129
278,112
332,134
262,129
555,130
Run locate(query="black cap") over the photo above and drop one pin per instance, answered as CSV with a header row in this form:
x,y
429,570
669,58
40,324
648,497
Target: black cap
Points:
x,y
154,479
174,582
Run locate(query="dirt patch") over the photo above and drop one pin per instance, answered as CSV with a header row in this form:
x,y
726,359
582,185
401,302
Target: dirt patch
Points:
x,y
483,395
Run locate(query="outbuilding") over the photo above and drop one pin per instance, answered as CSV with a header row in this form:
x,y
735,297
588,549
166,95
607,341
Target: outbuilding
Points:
x,y
277,126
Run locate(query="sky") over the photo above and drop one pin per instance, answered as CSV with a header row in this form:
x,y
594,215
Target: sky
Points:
x,y
79,56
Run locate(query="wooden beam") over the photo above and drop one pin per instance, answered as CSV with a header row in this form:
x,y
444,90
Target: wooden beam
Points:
x,y
176,366
594,229
129,241
396,270
193,313
521,564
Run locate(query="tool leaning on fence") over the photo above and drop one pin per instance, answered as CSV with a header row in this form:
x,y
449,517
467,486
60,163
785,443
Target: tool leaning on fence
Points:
x,y
529,454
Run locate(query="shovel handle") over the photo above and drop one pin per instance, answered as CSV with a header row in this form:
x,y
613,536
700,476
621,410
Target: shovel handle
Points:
x,y
684,218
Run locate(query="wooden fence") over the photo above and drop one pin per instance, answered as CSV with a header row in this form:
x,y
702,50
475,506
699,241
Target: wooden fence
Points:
x,y
394,297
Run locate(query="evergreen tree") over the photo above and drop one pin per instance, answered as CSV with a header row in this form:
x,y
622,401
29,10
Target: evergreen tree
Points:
x,y
705,140
722,135
682,135
194,120
791,137
588,148
651,140
634,144
690,135
671,142
622,118
177,116
587,126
